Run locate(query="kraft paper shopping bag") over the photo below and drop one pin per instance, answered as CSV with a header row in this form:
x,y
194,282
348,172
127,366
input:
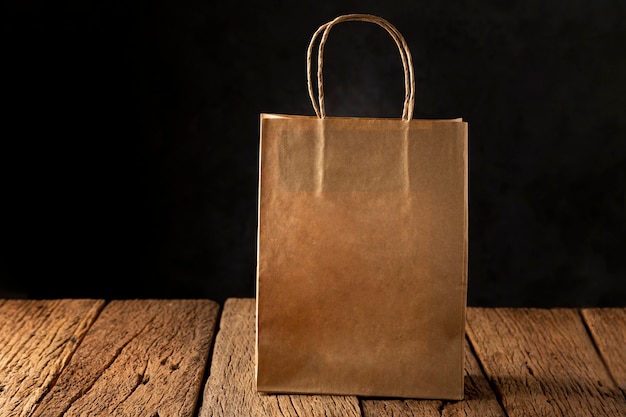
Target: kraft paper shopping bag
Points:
x,y
362,248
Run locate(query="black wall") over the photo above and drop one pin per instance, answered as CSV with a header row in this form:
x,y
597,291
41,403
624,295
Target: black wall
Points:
x,y
129,140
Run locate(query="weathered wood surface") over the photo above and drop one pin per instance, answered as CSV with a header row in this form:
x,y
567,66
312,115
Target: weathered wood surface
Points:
x,y
148,358
608,328
37,338
542,362
140,358
230,390
602,323
479,401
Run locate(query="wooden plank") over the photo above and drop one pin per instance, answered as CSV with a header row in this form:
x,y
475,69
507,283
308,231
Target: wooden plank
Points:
x,y
479,399
140,358
231,388
37,338
543,363
401,408
608,329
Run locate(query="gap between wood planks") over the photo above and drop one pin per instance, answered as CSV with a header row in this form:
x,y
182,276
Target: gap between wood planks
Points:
x,y
603,326
595,345
207,368
493,387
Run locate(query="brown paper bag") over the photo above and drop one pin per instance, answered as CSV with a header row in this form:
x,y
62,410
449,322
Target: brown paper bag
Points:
x,y
362,249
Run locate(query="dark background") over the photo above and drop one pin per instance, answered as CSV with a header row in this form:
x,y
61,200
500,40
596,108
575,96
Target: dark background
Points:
x,y
129,138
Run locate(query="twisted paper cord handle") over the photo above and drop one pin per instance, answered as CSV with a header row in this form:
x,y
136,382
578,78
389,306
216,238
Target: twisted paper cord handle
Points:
x,y
405,56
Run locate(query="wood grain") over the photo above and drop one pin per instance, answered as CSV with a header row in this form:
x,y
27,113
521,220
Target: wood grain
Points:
x,y
608,329
231,388
479,399
543,363
141,358
401,408
37,338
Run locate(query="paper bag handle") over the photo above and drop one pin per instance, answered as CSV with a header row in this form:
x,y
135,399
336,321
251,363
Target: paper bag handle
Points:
x,y
405,55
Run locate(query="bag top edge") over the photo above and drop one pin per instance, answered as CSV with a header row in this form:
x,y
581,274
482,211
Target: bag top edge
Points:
x,y
292,116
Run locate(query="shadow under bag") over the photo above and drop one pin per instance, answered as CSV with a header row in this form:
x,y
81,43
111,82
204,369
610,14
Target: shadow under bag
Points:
x,y
362,248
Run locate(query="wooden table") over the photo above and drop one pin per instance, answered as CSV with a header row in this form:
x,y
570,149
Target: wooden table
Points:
x,y
158,358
